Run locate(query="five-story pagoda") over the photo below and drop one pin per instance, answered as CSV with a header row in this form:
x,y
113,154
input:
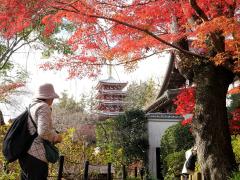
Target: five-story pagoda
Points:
x,y
110,96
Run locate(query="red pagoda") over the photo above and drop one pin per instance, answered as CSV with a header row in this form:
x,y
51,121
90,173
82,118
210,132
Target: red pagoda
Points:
x,y
110,97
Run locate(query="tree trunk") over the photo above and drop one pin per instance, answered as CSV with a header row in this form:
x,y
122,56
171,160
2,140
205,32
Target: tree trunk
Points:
x,y
210,124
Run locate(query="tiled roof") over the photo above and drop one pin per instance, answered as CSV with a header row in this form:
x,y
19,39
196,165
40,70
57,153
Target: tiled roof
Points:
x,y
167,96
172,79
164,116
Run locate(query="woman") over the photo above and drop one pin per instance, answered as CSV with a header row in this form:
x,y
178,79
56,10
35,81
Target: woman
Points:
x,y
34,164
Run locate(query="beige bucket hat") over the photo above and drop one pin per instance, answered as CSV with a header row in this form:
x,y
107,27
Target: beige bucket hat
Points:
x,y
46,91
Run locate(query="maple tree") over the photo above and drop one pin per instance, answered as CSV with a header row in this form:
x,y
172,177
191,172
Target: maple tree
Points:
x,y
203,34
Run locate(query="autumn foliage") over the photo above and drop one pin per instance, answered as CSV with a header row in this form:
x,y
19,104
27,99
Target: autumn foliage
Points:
x,y
204,36
18,15
98,28
126,31
185,102
7,89
235,90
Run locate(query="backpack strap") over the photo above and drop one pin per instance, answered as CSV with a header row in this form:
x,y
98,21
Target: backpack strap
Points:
x,y
34,124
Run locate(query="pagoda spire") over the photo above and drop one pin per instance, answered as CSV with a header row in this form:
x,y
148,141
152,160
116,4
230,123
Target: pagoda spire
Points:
x,y
110,69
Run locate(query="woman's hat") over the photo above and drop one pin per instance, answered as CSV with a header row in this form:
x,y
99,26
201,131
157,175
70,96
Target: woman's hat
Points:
x,y
46,91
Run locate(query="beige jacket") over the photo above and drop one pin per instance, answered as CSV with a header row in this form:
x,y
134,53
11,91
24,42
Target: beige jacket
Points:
x,y
41,114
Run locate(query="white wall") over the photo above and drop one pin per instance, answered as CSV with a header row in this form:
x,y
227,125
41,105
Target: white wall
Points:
x,y
157,124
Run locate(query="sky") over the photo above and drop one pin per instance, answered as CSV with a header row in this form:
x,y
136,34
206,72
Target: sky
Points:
x,y
153,67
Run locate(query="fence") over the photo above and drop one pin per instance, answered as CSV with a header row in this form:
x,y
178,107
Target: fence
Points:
x,y
195,176
106,173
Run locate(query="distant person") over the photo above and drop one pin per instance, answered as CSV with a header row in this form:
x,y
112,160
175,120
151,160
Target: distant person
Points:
x,y
1,118
189,164
34,164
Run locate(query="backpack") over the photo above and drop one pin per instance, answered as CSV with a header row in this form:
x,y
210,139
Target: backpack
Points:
x,y
18,139
190,164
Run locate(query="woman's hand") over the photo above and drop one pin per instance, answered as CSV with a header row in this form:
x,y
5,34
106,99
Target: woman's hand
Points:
x,y
58,139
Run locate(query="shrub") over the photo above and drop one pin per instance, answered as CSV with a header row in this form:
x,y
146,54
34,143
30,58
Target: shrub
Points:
x,y
236,147
235,176
174,163
177,138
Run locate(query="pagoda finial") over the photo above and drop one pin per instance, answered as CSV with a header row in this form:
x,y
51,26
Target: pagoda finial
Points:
x,y
110,69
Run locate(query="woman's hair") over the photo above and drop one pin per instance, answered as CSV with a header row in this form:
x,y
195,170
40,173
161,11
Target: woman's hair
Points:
x,y
41,99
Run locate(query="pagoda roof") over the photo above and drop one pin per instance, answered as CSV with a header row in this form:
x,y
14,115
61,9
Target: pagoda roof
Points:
x,y
111,92
111,81
111,102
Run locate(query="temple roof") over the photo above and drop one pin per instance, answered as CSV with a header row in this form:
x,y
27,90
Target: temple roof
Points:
x,y
166,97
165,116
173,82
172,79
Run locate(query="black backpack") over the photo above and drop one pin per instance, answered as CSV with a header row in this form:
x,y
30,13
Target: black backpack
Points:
x,y
18,139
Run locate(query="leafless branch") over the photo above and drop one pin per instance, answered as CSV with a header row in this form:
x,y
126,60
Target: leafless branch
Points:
x,y
13,47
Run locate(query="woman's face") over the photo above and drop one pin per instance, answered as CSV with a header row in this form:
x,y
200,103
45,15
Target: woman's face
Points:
x,y
49,101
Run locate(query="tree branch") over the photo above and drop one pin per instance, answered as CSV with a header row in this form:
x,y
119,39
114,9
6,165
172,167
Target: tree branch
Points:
x,y
231,9
121,63
12,47
149,33
127,6
136,28
137,59
198,10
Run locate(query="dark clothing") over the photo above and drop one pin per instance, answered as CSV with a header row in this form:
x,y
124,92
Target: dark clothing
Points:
x,y
33,168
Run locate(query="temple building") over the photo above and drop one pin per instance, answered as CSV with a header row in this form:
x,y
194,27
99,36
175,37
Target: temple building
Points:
x,y
173,82
161,114
110,97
